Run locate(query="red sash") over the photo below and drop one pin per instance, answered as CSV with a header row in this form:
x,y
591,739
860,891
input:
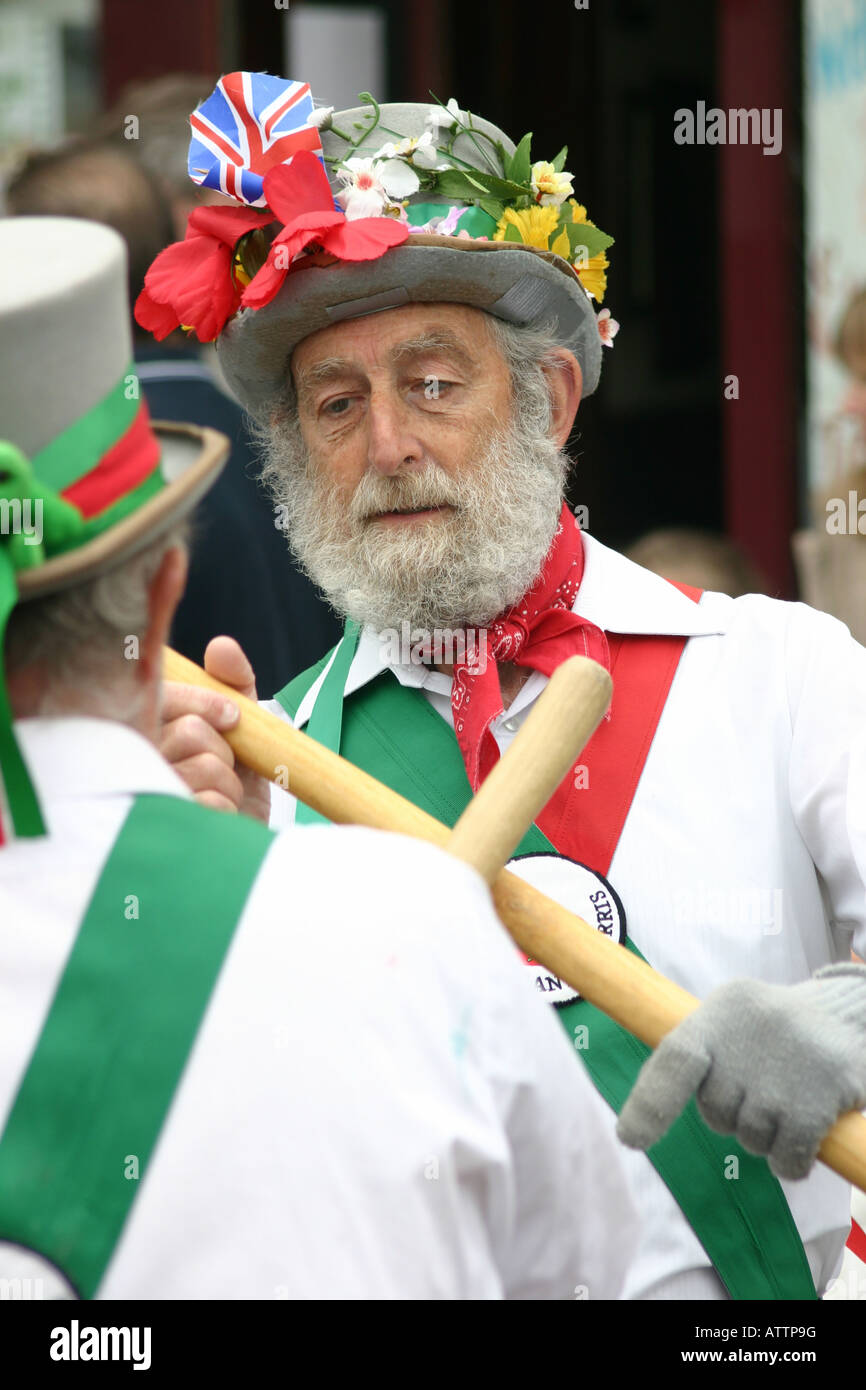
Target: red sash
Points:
x,y
857,1241
585,822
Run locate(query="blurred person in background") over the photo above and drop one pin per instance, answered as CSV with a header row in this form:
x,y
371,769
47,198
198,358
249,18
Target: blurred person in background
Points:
x,y
850,351
698,558
150,120
242,579
830,555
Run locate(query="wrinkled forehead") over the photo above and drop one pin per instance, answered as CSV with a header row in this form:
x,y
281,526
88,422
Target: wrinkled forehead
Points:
x,y
456,329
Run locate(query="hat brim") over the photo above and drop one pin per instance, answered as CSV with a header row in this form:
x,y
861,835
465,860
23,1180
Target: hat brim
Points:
x,y
192,459
519,284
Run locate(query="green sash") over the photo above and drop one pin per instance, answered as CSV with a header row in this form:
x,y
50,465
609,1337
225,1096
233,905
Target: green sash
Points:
x,y
123,1021
743,1221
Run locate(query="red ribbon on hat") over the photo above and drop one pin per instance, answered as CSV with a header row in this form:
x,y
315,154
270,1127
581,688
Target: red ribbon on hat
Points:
x,y
540,632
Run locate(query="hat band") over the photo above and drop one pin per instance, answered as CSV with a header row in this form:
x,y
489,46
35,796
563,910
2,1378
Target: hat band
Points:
x,y
117,475
105,452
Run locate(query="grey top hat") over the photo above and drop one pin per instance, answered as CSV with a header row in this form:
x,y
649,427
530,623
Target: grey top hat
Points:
x,y
517,283
70,402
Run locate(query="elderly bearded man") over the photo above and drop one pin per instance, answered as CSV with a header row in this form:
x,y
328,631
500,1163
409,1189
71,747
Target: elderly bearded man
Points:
x,y
417,368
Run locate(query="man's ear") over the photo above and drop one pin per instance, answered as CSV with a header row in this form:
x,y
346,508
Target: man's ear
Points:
x,y
565,383
164,594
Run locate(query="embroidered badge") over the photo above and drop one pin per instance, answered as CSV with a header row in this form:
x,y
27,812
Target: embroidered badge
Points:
x,y
582,891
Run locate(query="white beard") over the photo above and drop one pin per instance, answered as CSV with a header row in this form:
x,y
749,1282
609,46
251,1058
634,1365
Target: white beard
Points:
x,y
458,570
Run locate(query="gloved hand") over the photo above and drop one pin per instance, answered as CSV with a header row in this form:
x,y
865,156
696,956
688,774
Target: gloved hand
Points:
x,y
774,1065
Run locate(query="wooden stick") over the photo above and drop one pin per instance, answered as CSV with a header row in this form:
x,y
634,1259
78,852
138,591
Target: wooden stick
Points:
x,y
561,723
616,981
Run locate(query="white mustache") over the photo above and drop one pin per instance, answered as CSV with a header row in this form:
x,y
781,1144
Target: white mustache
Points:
x,y
375,494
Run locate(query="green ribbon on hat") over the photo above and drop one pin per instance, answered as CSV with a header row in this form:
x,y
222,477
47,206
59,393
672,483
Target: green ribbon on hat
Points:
x,y
61,527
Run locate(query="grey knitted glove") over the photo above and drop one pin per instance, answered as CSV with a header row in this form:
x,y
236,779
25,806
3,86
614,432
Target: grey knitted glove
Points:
x,y
774,1065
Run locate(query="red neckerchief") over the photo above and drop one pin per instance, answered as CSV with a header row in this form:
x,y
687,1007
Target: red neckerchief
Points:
x,y
540,632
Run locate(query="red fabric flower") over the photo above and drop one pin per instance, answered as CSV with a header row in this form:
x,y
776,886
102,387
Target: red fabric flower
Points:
x,y
301,198
191,281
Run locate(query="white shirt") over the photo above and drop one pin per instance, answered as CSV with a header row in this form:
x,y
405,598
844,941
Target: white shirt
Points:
x,y
374,1106
744,852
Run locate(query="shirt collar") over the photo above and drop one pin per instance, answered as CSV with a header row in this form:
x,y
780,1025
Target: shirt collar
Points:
x,y
77,758
615,594
620,596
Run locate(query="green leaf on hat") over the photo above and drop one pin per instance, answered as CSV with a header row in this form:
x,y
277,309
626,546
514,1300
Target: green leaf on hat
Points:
x,y
581,234
505,189
455,183
493,208
459,183
559,162
518,167
512,234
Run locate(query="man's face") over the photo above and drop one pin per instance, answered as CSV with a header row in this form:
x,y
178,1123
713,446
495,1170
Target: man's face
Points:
x,y
396,393
415,482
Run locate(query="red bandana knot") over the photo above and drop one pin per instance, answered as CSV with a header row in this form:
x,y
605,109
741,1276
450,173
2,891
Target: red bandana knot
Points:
x,y
540,632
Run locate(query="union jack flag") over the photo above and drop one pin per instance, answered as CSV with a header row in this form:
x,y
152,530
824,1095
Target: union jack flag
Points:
x,y
250,123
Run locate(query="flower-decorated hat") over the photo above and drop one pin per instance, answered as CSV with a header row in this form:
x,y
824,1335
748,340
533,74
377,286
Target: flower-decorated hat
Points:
x,y
342,214
85,480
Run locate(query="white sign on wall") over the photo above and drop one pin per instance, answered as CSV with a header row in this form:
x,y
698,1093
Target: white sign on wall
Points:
x,y
835,131
339,50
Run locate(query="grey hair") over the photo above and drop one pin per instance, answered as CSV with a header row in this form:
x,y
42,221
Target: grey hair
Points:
x,y
527,351
79,638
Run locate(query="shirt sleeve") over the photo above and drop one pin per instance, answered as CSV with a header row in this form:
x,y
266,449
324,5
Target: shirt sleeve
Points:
x,y
827,780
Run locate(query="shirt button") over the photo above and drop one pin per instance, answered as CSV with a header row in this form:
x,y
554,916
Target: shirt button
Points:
x,y
510,726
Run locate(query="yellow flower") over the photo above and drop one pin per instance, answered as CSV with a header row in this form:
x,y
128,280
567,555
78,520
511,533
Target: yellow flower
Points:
x,y
591,270
592,275
241,275
535,225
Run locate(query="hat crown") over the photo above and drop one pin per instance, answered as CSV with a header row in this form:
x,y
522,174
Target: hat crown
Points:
x,y
400,120
63,301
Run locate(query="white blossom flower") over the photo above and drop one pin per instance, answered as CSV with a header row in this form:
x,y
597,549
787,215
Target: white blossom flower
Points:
x,y
445,116
425,154
420,150
390,151
373,185
364,193
321,117
398,178
607,328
